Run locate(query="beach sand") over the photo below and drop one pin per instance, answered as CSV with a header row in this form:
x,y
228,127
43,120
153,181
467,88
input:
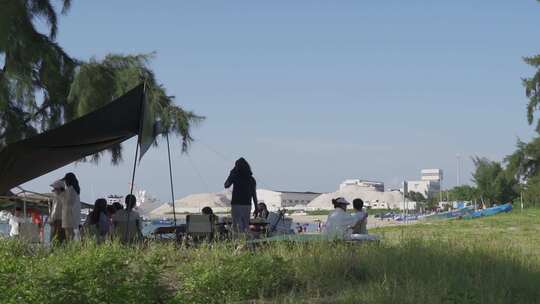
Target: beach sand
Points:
x,y
372,221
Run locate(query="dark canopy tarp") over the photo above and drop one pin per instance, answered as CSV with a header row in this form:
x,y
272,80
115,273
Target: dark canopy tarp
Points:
x,y
114,123
31,201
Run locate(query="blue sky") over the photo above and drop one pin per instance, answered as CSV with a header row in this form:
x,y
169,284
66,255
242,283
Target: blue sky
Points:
x,y
313,92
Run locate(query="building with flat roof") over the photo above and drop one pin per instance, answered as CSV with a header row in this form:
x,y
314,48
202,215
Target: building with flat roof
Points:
x,y
435,175
365,184
429,184
282,199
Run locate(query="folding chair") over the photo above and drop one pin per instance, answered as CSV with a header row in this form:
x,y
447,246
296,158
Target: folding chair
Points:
x,y
278,224
200,227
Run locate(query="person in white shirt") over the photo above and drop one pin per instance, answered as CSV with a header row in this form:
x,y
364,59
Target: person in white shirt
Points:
x,y
339,222
360,216
55,217
71,206
15,220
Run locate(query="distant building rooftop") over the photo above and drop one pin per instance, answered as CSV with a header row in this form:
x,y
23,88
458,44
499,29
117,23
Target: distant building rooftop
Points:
x,y
298,192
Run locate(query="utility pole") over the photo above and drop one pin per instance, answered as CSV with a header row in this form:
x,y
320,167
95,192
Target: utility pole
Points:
x,y
457,166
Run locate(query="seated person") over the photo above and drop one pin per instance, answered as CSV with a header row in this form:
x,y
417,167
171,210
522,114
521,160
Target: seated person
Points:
x,y
127,223
360,215
215,220
262,211
339,222
97,222
210,212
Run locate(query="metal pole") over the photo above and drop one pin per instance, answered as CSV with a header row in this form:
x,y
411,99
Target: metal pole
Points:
x,y
135,160
171,178
404,191
521,194
457,165
134,168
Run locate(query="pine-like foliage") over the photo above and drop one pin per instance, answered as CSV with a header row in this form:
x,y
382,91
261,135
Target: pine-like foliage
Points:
x,y
33,66
42,87
98,82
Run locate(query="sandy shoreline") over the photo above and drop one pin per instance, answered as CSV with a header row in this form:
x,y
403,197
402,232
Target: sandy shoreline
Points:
x,y
372,221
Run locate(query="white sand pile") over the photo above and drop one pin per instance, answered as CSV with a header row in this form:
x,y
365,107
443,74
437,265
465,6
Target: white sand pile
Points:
x,y
391,198
219,202
201,200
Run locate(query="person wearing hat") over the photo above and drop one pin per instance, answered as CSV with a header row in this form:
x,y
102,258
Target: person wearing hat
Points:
x,y
339,222
55,217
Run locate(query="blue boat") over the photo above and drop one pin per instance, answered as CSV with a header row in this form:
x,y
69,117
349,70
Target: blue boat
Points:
x,y
463,212
492,211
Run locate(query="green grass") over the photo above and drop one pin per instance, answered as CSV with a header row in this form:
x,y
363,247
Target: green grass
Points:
x,y
489,260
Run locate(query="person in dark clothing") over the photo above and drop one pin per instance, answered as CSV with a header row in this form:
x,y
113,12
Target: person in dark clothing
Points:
x,y
262,211
244,191
97,221
117,206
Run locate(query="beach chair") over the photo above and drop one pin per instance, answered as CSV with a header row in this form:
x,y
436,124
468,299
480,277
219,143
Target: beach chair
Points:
x,y
200,227
278,224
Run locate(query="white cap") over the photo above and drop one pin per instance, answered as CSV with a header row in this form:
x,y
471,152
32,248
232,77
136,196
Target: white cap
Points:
x,y
58,184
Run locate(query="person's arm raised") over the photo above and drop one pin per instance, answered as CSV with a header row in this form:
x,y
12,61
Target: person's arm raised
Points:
x,y
229,180
255,199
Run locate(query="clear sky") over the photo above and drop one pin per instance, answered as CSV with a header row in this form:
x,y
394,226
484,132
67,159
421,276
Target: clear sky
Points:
x,y
313,92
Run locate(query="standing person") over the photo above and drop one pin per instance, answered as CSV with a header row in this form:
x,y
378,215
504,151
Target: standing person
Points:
x,y
339,221
244,191
71,209
319,226
15,221
55,217
360,215
127,223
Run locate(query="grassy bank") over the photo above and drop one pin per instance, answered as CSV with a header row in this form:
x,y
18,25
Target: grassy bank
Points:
x,y
491,260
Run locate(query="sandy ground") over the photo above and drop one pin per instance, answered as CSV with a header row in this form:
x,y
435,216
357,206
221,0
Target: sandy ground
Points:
x,y
372,221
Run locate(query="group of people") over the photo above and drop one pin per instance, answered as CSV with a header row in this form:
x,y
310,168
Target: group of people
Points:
x,y
106,221
341,224
114,222
102,222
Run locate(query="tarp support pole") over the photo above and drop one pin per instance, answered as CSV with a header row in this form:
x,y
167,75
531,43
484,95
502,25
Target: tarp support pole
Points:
x,y
171,178
134,168
135,160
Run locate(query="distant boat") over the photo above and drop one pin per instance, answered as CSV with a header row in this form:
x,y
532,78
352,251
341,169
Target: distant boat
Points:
x,y
162,222
469,212
492,210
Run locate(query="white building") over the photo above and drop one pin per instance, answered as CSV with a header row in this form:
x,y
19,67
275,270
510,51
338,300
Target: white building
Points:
x,y
365,184
430,183
275,200
435,175
372,199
